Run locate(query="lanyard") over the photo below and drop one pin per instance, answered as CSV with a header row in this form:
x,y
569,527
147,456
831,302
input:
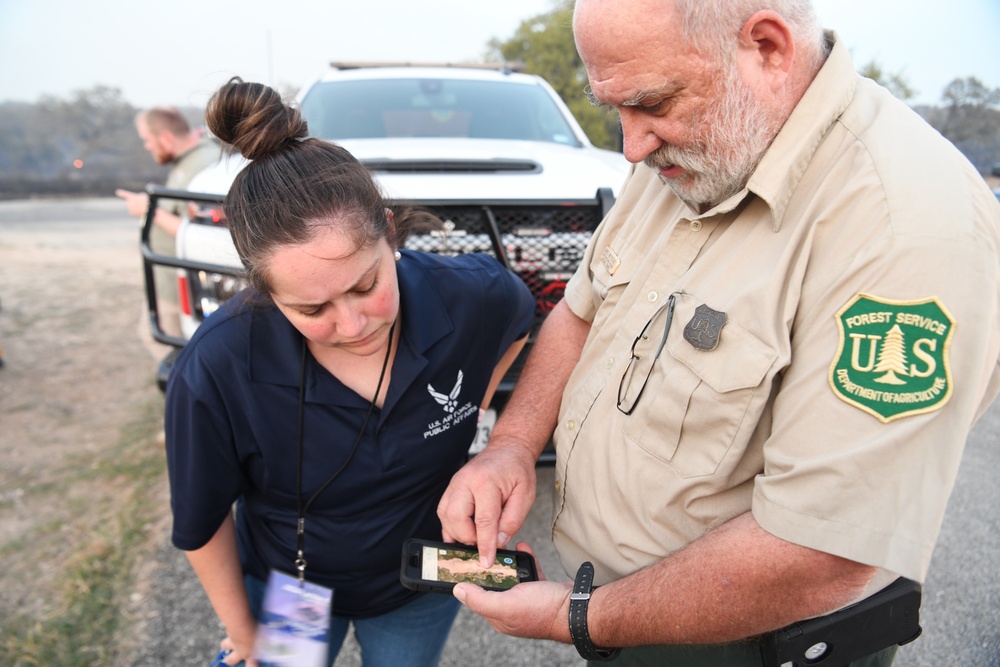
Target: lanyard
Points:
x,y
300,560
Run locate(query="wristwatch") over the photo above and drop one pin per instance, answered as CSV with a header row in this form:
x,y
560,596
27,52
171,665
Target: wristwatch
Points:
x,y
578,601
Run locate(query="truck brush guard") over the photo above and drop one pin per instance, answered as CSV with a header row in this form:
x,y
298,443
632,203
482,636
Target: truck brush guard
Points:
x,y
542,241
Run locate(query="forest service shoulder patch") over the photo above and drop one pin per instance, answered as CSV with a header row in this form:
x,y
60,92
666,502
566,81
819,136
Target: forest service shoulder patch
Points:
x,y
893,356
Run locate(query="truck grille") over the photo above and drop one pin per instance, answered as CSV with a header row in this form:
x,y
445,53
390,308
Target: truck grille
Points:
x,y
542,243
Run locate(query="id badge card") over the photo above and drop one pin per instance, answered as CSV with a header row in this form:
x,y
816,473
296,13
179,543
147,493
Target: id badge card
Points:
x,y
294,625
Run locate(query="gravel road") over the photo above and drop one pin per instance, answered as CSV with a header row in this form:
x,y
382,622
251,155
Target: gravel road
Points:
x,y
961,610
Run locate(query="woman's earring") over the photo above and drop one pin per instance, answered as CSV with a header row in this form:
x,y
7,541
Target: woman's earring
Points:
x,y
397,255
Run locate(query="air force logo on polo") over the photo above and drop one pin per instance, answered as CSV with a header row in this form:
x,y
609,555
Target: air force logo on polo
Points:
x,y
448,401
454,413
893,356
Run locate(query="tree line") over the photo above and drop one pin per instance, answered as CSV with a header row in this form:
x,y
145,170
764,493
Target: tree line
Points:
x,y
83,145
87,144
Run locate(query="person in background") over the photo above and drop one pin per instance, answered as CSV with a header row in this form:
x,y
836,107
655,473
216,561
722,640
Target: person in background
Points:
x,y
762,376
169,138
311,399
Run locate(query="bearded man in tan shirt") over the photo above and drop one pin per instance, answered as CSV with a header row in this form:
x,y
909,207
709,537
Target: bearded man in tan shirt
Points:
x,y
761,378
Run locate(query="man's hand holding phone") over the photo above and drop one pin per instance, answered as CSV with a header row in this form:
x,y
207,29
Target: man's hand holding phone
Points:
x,y
533,610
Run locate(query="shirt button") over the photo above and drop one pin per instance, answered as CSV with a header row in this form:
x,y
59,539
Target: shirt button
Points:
x,y
652,296
695,225
558,486
611,362
570,425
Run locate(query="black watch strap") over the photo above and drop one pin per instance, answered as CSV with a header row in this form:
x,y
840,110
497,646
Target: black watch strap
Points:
x,y
579,599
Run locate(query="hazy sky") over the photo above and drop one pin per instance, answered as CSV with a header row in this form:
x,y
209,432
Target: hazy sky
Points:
x,y
179,51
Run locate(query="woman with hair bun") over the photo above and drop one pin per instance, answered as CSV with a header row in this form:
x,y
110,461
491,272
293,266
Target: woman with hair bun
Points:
x,y
310,400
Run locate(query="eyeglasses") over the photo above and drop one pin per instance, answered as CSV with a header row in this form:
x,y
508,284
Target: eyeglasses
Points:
x,y
640,363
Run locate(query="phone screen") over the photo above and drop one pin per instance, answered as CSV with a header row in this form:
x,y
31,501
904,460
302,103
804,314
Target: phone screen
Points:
x,y
460,565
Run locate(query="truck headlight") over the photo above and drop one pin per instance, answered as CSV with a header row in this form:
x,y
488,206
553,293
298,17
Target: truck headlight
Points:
x,y
211,290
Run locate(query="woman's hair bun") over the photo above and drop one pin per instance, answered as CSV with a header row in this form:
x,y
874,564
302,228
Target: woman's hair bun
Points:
x,y
253,119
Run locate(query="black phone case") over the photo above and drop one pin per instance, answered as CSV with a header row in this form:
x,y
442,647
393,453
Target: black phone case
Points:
x,y
409,573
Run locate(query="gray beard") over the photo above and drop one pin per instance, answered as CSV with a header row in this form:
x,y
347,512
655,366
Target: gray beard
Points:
x,y
734,135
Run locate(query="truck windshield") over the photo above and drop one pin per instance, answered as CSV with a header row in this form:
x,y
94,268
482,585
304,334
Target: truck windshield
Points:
x,y
384,108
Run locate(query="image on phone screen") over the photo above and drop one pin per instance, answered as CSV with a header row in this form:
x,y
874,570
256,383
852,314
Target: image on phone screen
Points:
x,y
458,566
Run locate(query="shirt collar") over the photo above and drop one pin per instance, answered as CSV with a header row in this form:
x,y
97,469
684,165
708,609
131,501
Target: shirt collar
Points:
x,y
780,170
201,143
275,347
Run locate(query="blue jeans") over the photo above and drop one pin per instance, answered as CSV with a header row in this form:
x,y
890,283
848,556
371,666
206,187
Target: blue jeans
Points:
x,y
413,635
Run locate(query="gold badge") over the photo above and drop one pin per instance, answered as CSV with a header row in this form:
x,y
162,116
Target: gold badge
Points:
x,y
610,260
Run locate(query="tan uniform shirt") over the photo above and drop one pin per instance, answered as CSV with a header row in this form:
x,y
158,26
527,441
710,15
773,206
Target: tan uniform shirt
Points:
x,y
839,430
201,156
196,159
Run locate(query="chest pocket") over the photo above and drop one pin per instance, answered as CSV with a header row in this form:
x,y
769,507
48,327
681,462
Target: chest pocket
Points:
x,y
695,402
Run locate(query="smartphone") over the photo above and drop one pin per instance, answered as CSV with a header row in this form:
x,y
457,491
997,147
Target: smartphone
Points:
x,y
436,567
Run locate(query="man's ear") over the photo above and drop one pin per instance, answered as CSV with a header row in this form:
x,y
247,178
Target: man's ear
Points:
x,y
168,141
767,49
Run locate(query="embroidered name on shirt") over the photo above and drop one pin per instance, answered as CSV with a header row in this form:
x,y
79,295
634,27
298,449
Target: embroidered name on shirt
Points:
x,y
893,356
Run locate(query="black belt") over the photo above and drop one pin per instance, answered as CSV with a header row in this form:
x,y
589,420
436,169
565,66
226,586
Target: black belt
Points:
x,y
887,618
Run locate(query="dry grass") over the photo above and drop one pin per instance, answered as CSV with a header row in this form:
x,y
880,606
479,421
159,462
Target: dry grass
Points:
x,y
79,616
81,479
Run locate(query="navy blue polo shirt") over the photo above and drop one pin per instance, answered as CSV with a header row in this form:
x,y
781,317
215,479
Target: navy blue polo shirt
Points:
x,y
232,411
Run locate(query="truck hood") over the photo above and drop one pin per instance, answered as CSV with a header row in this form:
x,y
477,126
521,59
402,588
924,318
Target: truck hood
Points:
x,y
442,169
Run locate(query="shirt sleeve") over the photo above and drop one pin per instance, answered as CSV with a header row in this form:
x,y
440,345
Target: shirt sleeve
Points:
x,y
864,481
511,302
202,463
609,260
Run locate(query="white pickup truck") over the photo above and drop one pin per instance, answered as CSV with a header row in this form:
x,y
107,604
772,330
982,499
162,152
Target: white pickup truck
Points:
x,y
494,153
